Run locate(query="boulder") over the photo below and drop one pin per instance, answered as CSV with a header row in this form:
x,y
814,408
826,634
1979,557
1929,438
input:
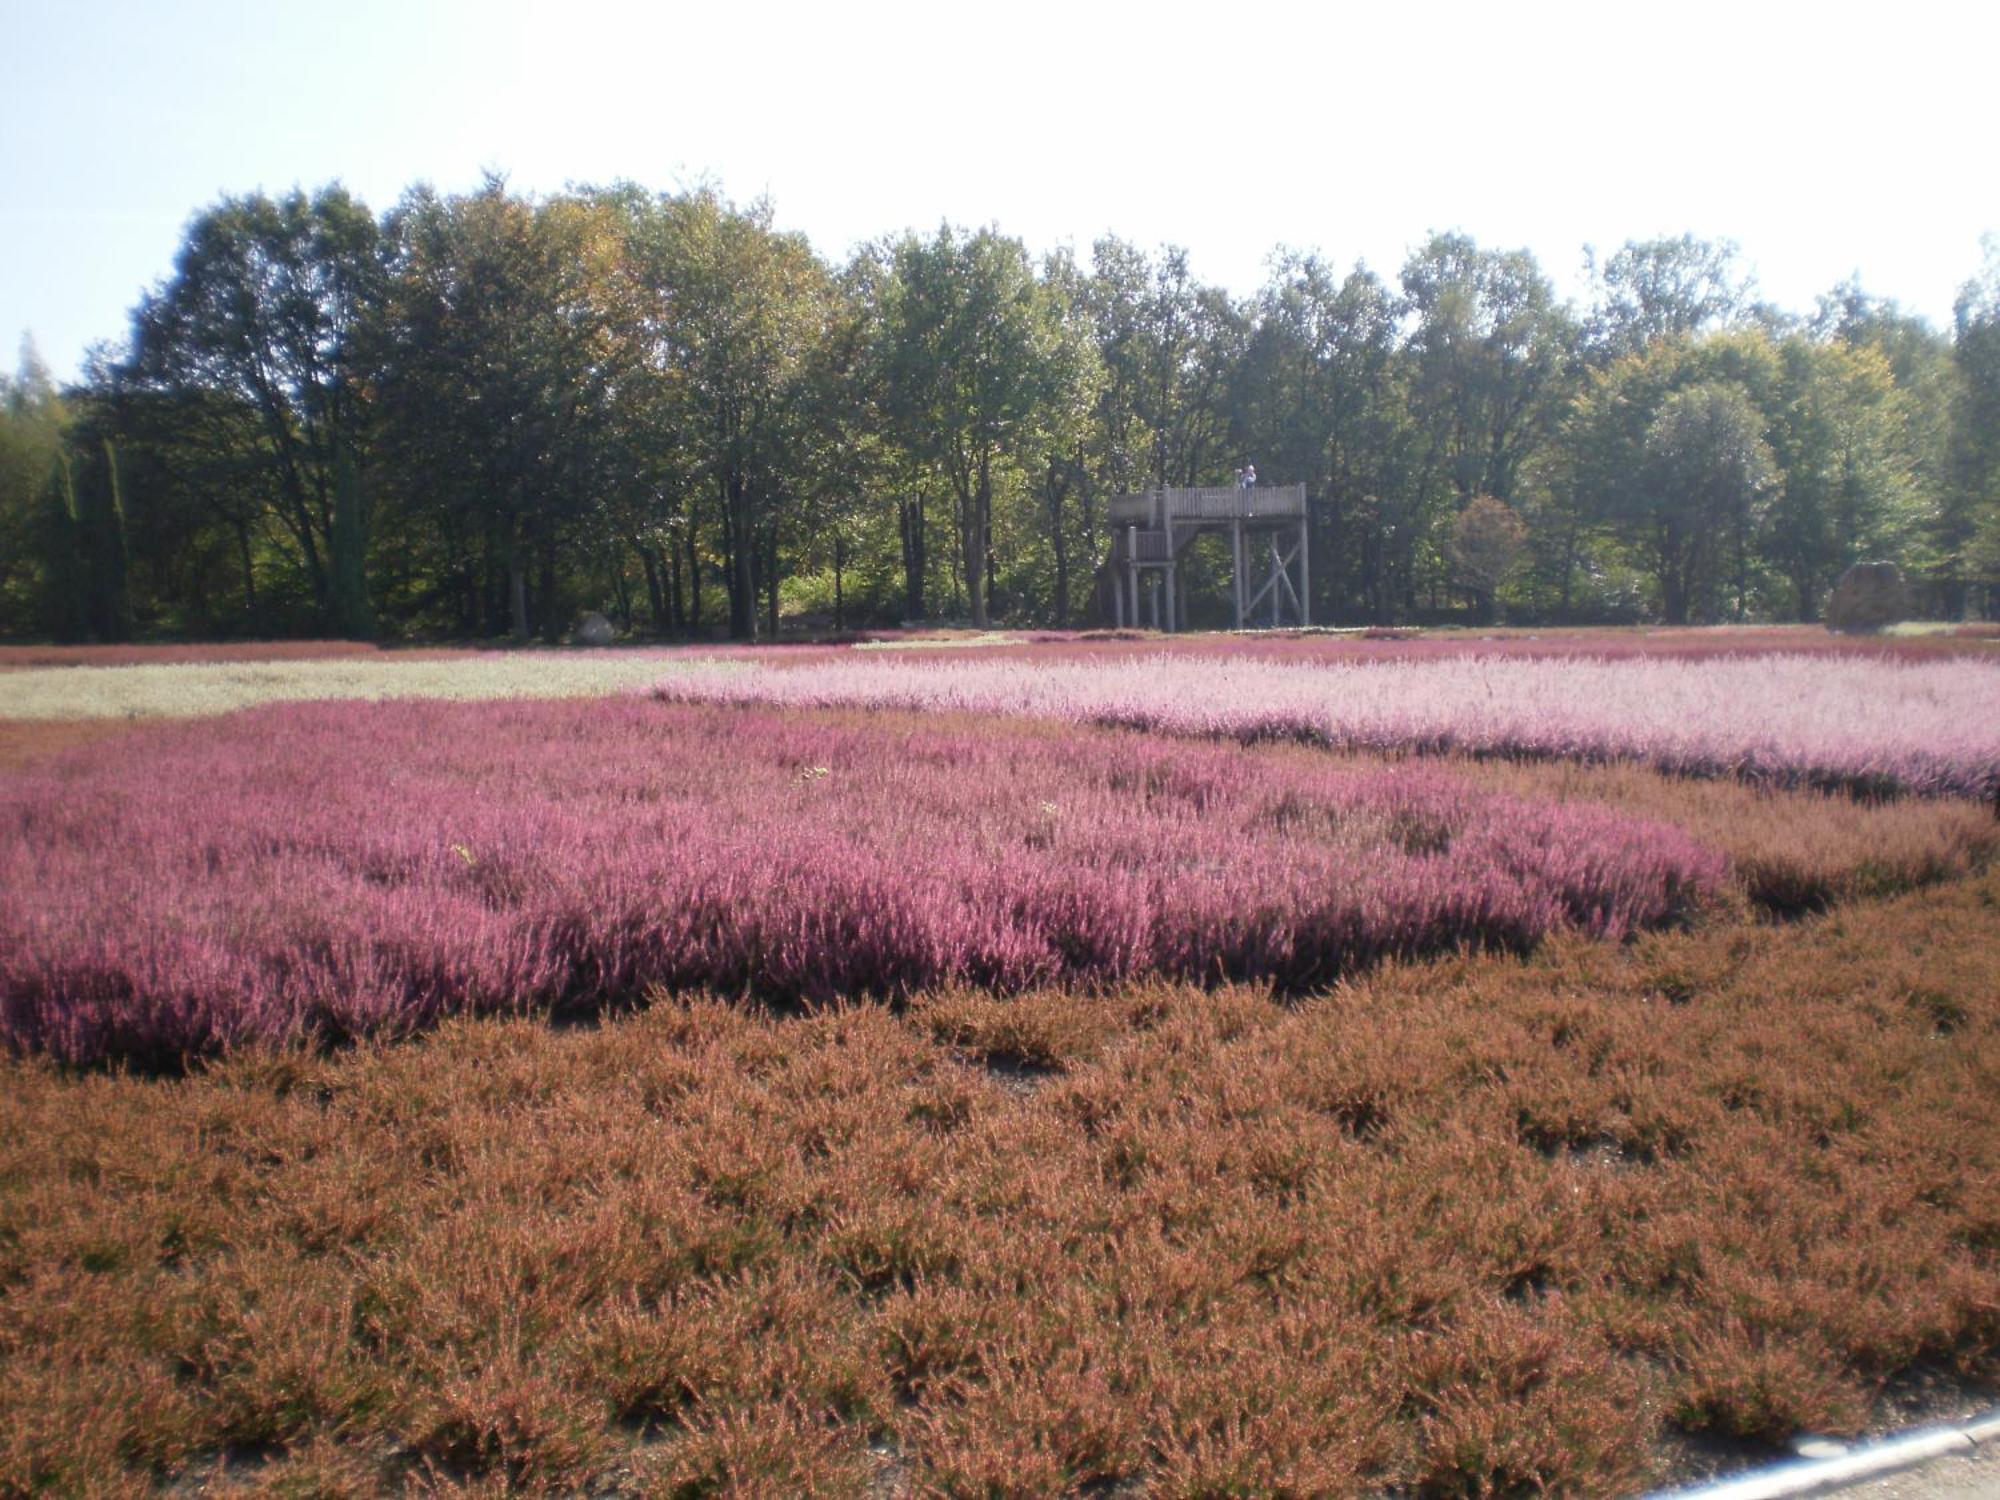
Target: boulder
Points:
x,y
593,630
1869,596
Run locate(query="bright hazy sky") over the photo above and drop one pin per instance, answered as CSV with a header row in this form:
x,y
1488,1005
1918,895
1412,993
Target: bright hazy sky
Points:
x,y
1826,139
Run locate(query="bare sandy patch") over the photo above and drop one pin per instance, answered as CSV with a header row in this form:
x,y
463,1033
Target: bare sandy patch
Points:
x,y
195,689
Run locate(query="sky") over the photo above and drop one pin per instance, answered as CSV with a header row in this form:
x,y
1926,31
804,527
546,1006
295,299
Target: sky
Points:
x,y
1827,140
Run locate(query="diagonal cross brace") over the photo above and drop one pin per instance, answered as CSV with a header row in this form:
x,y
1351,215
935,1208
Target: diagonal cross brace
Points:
x,y
1281,576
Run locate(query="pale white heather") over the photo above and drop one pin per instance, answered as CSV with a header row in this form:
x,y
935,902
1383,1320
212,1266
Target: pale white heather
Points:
x,y
942,643
1930,727
193,689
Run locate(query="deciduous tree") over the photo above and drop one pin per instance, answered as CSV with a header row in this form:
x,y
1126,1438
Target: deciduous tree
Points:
x,y
1486,543
264,305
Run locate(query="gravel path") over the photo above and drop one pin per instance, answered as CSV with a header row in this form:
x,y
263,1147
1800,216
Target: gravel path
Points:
x,y
1967,1476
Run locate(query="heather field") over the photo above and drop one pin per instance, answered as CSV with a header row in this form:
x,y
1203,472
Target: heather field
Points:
x,y
339,870
1979,642
1565,1225
1874,725
1086,1067
1684,643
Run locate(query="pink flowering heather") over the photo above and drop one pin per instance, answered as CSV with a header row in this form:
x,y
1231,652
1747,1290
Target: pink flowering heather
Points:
x,y
1864,724
323,870
1351,647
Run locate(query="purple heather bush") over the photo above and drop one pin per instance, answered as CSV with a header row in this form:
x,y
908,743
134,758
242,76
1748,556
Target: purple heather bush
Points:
x,y
324,871
1876,724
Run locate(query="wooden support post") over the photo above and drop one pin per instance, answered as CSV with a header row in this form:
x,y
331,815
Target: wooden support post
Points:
x,y
1305,574
1167,578
1132,569
1255,599
1284,580
1275,570
1117,598
1236,568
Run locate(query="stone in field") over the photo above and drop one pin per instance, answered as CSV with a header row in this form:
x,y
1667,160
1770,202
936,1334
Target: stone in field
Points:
x,y
593,630
1869,596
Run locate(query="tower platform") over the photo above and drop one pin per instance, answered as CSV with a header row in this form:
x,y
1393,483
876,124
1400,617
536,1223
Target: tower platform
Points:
x,y
1152,531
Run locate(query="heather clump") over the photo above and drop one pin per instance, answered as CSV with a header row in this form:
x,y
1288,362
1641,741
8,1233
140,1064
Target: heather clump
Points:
x,y
331,872
1791,852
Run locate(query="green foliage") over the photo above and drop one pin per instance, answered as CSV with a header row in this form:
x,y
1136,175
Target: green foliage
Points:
x,y
1705,477
1321,393
1839,436
1968,530
489,413
507,331
983,367
262,314
1650,290
32,416
1667,450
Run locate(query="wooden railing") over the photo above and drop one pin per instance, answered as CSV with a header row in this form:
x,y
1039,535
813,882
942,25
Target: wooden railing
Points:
x,y
1156,508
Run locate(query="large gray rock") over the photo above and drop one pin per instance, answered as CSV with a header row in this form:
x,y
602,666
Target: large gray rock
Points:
x,y
593,630
1869,596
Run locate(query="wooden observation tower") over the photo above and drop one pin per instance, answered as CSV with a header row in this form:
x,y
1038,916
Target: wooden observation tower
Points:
x,y
1150,532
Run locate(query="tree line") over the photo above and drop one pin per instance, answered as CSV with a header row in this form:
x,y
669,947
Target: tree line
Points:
x,y
480,415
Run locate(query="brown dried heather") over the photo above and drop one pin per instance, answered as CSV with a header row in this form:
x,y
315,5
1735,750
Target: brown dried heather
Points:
x,y
1793,852
24,744
20,658
1484,1226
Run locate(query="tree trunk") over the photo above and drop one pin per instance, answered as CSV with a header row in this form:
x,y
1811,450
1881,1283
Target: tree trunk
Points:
x,y
972,567
299,523
1742,572
771,579
693,617
352,618
1673,597
656,599
1808,597
1323,542
1673,574
742,563
249,572
910,518
992,563
839,568
978,535
622,587
104,539
546,602
517,583
1057,489
66,576
1570,549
